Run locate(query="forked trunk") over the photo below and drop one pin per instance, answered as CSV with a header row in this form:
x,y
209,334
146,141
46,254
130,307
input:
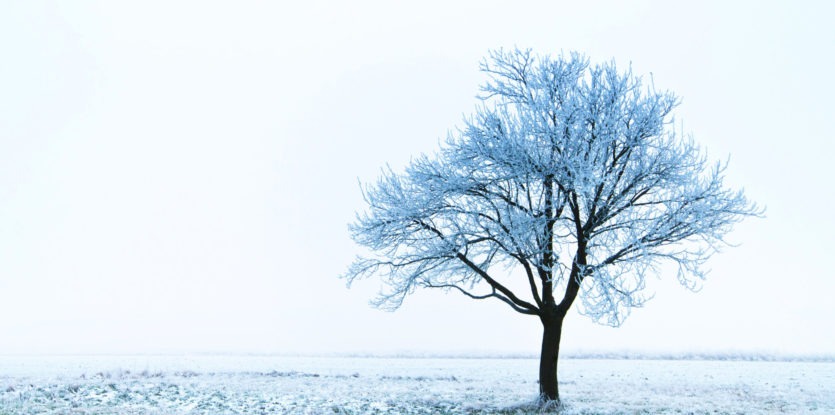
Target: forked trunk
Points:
x,y
548,387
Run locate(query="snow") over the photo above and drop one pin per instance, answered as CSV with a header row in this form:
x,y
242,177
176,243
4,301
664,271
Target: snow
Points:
x,y
307,385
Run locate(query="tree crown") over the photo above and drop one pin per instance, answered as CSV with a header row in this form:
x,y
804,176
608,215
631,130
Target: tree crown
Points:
x,y
568,176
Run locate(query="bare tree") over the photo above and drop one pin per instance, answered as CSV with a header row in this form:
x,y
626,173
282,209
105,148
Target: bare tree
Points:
x,y
570,177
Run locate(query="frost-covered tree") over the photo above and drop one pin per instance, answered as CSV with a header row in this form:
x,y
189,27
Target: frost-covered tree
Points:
x,y
570,179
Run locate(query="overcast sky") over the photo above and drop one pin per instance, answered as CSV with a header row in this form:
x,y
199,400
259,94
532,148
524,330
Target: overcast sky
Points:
x,y
178,176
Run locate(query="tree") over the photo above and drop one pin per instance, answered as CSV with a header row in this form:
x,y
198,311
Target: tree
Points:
x,y
570,178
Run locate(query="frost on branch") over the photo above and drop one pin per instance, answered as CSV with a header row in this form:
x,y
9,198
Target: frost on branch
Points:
x,y
569,177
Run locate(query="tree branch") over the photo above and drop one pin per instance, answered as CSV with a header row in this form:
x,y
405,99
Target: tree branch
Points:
x,y
495,284
493,294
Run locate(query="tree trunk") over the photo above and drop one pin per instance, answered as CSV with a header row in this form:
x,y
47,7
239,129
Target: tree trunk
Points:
x,y
552,330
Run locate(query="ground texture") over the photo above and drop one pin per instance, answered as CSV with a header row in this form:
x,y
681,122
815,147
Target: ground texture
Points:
x,y
220,385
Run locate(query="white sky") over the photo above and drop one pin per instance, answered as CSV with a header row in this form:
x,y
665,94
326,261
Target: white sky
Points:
x,y
178,177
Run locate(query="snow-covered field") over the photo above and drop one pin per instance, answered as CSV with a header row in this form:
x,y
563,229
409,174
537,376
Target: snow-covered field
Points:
x,y
303,385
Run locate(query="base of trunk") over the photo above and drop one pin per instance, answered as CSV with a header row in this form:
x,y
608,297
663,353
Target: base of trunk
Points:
x,y
548,405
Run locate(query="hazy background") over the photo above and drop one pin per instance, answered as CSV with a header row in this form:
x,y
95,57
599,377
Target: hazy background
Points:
x,y
178,176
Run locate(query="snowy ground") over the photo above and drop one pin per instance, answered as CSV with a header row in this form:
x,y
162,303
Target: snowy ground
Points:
x,y
302,385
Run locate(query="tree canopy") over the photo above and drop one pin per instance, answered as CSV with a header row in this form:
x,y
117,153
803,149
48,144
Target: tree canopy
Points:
x,y
570,176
